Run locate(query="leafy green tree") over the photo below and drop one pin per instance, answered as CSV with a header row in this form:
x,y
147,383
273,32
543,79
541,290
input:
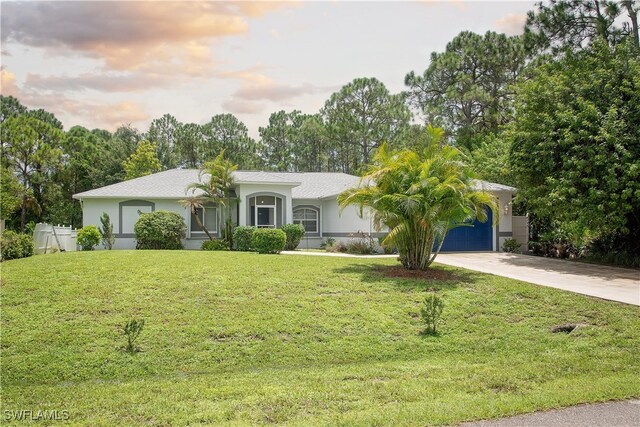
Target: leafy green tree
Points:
x,y
417,137
117,148
277,140
575,143
225,132
560,26
80,171
312,151
190,145
47,117
143,162
360,117
490,159
164,132
633,7
468,89
10,107
419,196
31,151
10,193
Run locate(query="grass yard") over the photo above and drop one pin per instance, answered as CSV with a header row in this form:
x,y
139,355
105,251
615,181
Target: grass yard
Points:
x,y
240,338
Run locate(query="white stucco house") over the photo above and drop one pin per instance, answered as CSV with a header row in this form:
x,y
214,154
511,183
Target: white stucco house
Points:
x,y
269,199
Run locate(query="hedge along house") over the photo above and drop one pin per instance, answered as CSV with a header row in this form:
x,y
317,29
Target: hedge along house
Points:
x,y
269,199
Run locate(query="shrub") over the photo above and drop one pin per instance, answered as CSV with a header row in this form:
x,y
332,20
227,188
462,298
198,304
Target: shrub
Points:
x,y
131,331
268,240
242,237
106,231
337,246
295,233
511,245
431,312
160,230
362,244
88,237
15,245
215,245
328,243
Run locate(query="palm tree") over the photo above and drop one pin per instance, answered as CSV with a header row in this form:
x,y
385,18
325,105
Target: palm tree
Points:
x,y
419,197
215,186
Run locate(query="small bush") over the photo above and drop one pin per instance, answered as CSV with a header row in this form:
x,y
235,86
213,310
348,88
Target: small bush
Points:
x,y
131,331
362,243
337,246
511,245
88,237
215,245
16,245
431,312
160,230
328,243
242,237
295,233
106,231
268,240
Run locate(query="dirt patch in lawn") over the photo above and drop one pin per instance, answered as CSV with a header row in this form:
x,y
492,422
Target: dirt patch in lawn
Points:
x,y
402,273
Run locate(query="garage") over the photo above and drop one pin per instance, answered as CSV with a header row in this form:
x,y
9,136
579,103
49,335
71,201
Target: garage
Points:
x,y
475,238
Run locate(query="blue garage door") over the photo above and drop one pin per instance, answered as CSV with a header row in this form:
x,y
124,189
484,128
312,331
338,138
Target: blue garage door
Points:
x,y
476,238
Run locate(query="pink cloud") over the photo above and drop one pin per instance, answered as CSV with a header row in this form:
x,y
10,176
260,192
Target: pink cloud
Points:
x,y
512,24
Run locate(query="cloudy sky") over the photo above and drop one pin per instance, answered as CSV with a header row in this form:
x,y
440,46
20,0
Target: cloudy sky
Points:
x,y
102,64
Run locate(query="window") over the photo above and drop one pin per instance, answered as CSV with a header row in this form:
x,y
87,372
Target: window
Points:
x,y
308,218
129,212
208,217
265,211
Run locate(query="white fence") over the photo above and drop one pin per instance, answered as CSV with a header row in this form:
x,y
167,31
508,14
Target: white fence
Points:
x,y
48,238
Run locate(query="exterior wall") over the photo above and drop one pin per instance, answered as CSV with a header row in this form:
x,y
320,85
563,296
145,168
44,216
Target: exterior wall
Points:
x,y
521,231
335,224
243,191
311,242
92,209
503,229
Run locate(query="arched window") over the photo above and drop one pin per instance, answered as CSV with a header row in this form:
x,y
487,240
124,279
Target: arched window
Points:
x,y
308,217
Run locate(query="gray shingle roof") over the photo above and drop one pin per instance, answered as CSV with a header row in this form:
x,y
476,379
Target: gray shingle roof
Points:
x,y
318,185
171,184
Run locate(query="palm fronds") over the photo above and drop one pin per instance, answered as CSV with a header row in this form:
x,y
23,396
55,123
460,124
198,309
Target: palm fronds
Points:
x,y
419,197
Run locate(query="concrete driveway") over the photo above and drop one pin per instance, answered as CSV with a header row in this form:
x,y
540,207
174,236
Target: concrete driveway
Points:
x,y
616,284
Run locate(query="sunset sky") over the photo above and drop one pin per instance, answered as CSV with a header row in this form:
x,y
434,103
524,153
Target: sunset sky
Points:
x,y
102,64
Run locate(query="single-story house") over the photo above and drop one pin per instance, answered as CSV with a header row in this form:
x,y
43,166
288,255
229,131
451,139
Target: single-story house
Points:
x,y
270,199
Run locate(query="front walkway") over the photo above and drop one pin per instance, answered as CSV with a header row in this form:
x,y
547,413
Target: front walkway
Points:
x,y
612,283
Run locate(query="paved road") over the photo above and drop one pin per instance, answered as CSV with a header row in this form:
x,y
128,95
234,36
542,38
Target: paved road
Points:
x,y
612,283
610,414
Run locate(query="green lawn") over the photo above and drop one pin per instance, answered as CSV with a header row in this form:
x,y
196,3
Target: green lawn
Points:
x,y
240,338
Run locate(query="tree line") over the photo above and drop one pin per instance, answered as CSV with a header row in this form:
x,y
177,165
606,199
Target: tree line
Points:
x,y
553,112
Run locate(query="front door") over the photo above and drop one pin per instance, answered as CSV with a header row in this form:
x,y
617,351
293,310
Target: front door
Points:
x,y
266,217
